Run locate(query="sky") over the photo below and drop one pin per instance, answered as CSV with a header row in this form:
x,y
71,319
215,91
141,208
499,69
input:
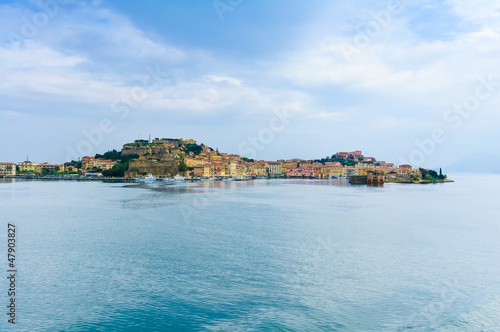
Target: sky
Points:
x,y
403,81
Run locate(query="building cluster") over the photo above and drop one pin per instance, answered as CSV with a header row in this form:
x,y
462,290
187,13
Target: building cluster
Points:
x,y
92,163
211,163
167,157
28,166
88,164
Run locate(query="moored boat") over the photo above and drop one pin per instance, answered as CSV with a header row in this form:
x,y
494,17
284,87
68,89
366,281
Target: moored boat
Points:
x,y
148,178
179,178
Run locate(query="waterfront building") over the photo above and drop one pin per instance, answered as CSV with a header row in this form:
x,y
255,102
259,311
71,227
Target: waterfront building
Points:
x,y
49,168
219,169
232,168
104,164
7,169
274,169
350,171
87,162
208,170
28,166
299,172
336,172
93,163
404,174
257,169
391,176
198,171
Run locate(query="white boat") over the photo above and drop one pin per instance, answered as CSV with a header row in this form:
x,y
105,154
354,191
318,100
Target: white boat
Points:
x,y
179,178
167,179
149,178
243,178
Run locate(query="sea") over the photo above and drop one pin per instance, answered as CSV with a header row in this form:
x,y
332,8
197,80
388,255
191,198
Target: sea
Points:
x,y
262,255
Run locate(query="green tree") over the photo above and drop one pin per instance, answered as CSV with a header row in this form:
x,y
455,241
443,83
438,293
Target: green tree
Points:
x,y
441,175
112,155
434,174
119,168
195,148
74,163
182,167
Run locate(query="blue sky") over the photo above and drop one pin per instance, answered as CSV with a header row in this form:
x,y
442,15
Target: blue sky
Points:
x,y
377,76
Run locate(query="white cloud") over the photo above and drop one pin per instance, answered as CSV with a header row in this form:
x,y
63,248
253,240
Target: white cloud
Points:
x,y
423,71
484,12
230,80
92,56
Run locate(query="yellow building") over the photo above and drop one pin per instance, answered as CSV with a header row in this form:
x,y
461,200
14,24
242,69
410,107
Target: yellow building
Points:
x,y
7,169
103,164
51,168
193,162
208,170
337,172
28,166
91,163
258,170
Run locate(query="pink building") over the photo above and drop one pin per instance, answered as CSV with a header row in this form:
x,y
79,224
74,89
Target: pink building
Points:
x,y
299,172
356,153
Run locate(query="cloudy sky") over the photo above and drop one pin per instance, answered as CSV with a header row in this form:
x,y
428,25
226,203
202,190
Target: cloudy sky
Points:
x,y
415,81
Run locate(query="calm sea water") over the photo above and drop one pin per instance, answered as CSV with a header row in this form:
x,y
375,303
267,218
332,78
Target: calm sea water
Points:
x,y
267,255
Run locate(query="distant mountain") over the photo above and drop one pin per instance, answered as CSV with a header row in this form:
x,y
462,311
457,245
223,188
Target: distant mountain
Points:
x,y
476,163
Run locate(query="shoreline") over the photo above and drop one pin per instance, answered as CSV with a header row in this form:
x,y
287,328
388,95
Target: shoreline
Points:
x,y
421,181
81,178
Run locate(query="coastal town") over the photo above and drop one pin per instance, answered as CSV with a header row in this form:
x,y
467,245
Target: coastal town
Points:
x,y
168,158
